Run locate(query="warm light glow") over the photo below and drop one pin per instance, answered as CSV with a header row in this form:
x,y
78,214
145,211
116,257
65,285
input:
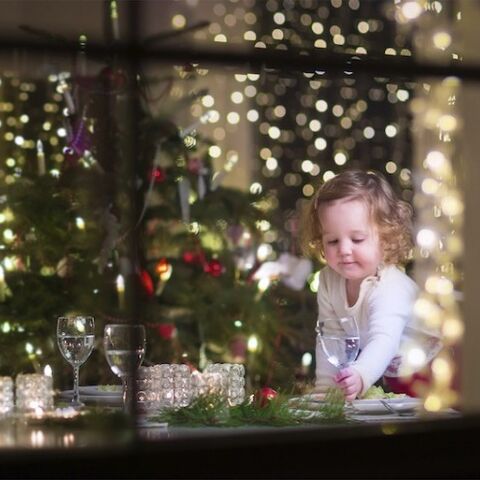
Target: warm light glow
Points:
x,y
430,186
452,205
252,343
447,123
416,357
442,370
120,283
427,238
433,403
436,161
264,251
391,130
256,188
328,175
411,10
340,158
215,151
80,223
453,329
208,101
442,40
263,284
307,359
179,21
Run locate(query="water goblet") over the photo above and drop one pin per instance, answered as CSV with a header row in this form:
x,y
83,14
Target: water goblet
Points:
x,y
339,340
75,338
124,346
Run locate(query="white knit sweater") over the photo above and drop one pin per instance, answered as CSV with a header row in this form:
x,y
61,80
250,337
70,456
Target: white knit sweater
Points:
x,y
384,313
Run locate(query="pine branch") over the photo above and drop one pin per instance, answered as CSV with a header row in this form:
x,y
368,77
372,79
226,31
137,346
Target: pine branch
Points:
x,y
213,410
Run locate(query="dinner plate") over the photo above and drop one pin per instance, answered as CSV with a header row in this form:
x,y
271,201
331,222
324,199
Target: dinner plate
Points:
x,y
375,406
101,390
107,395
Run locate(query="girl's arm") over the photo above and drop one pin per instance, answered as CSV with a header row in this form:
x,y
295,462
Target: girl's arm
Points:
x,y
390,308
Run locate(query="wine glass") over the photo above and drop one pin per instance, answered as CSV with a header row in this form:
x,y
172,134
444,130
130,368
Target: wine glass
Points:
x,y
124,349
75,338
339,339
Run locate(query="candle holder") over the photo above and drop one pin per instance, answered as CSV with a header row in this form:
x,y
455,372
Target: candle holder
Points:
x,y
174,386
164,386
34,393
182,385
147,397
6,395
227,379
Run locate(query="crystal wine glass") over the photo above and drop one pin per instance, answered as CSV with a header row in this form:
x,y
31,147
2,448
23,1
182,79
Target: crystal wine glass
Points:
x,y
339,340
75,338
124,349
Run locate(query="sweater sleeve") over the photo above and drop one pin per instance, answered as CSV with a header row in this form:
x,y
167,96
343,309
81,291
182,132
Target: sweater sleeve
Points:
x,y
390,308
324,371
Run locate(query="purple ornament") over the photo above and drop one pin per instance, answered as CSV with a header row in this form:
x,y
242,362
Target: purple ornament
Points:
x,y
78,142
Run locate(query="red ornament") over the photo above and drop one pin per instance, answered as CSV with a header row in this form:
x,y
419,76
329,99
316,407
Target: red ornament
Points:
x,y
147,283
158,175
162,266
264,396
166,331
194,257
189,257
213,268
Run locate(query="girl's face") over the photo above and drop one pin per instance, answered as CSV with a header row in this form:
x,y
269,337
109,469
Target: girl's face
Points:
x,y
350,240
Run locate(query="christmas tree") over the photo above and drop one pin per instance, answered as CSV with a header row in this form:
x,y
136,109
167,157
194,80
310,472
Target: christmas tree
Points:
x,y
68,231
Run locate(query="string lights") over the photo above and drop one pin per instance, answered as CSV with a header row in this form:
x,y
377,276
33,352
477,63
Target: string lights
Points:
x,y
440,206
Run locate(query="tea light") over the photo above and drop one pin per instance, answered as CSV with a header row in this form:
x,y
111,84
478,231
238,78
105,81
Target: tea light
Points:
x,y
34,393
6,395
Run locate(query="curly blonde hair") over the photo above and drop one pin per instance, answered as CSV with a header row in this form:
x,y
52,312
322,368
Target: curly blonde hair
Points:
x,y
392,216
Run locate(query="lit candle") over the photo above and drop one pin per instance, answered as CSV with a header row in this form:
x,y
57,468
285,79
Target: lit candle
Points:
x,y
40,159
121,291
2,285
114,18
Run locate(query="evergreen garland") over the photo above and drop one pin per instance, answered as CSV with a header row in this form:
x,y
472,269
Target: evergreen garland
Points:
x,y
213,410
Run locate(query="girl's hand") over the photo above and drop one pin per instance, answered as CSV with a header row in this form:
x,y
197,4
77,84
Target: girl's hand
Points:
x,y
350,381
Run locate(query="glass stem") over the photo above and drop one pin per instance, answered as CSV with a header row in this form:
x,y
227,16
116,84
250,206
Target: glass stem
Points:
x,y
127,394
76,394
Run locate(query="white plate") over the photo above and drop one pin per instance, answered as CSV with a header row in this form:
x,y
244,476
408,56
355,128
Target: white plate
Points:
x,y
400,405
101,390
96,395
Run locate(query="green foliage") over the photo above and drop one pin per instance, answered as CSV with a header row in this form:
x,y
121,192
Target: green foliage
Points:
x,y
213,410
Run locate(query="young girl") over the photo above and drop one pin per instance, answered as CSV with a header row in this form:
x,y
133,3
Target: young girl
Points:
x,y
363,231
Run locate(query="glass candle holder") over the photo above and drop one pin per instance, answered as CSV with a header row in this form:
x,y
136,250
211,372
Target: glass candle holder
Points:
x,y
163,385
34,393
147,395
227,379
6,395
182,384
172,384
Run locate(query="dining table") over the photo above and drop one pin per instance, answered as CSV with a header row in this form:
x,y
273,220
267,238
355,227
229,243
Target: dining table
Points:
x,y
112,444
